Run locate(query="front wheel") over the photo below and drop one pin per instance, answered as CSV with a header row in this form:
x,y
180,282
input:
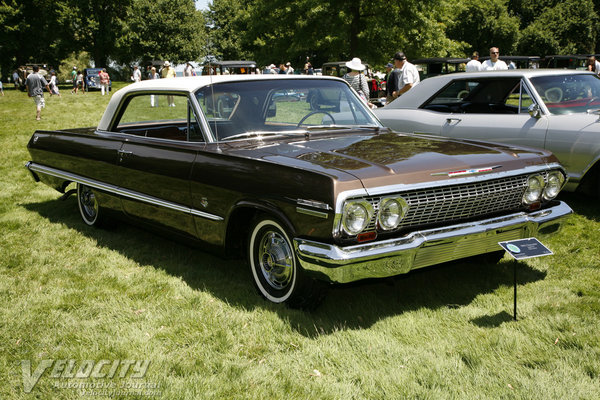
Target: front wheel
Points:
x,y
274,267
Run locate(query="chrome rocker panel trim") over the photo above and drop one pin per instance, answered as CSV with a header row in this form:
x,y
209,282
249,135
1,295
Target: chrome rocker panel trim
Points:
x,y
424,248
42,169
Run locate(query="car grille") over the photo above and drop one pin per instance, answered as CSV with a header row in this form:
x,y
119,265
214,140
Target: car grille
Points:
x,y
457,202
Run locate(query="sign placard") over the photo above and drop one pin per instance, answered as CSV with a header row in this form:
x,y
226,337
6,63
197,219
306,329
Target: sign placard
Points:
x,y
525,248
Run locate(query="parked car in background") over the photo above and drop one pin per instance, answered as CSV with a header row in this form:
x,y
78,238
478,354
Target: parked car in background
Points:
x,y
558,110
91,80
309,192
518,62
571,61
429,67
229,68
25,70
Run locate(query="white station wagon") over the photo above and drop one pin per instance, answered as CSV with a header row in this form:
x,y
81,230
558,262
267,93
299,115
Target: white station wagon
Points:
x,y
558,110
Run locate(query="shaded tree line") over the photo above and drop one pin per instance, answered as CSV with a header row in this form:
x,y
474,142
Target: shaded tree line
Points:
x,y
124,31
328,30
129,31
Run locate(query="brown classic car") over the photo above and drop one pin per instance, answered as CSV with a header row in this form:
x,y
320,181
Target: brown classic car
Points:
x,y
298,175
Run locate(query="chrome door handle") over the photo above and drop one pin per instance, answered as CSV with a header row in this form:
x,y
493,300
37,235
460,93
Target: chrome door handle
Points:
x,y
450,120
123,154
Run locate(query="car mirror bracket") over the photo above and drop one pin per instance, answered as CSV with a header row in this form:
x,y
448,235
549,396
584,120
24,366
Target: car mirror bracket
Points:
x,y
534,111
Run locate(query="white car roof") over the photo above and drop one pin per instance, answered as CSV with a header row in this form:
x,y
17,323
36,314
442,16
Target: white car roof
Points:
x,y
428,87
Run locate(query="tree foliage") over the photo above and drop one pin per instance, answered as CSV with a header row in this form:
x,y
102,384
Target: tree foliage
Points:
x,y
48,31
127,31
161,30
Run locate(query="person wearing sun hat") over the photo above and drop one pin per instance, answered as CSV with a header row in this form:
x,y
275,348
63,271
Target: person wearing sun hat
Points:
x,y
356,78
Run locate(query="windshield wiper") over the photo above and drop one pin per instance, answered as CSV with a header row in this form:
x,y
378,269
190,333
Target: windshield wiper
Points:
x,y
259,134
332,127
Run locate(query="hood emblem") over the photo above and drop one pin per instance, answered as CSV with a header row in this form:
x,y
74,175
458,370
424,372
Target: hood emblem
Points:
x,y
462,172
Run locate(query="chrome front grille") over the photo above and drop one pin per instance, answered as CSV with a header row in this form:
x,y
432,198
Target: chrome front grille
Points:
x,y
457,202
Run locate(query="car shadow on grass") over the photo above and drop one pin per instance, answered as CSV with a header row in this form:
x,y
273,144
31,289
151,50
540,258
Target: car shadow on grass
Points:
x,y
352,306
582,204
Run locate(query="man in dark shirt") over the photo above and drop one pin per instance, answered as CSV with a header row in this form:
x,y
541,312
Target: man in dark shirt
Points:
x,y
35,88
391,84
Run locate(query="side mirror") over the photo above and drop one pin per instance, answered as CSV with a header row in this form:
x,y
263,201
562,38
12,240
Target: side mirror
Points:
x,y
534,111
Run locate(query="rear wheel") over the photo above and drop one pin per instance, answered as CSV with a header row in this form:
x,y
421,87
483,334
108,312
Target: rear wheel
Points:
x,y
89,208
274,267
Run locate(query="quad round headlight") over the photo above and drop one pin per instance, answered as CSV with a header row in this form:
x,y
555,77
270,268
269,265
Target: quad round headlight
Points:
x,y
391,212
554,183
533,192
356,217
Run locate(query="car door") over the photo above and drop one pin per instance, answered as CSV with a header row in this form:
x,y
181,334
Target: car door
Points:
x,y
575,140
496,111
156,158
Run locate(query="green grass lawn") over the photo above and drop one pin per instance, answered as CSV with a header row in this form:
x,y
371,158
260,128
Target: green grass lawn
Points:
x,y
70,292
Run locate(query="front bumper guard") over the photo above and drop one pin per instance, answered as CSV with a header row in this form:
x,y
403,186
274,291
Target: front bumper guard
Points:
x,y
427,247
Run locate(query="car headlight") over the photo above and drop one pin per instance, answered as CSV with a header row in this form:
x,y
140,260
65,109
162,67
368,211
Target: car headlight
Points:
x,y
391,212
356,217
535,186
554,183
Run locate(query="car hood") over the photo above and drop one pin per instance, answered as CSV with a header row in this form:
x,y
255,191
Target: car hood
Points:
x,y
396,158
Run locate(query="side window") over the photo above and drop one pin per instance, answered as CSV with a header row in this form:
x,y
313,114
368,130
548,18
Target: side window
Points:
x,y
158,115
454,97
520,98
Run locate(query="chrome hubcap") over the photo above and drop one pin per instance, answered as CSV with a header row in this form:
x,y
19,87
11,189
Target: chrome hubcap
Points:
x,y
276,260
88,202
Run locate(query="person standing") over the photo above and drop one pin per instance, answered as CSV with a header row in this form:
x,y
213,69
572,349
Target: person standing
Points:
x,y
474,65
137,74
74,79
169,72
290,70
16,79
53,85
104,81
35,84
356,79
391,82
153,75
494,64
408,75
188,70
79,82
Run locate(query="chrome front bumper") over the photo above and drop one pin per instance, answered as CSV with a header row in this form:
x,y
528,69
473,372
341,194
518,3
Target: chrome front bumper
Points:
x,y
423,248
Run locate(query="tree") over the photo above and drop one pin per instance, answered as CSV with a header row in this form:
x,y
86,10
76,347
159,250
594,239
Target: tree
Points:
x,y
162,30
569,27
485,23
328,30
94,25
30,32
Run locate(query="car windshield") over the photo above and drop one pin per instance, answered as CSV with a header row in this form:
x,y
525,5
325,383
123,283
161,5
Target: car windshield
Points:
x,y
280,106
569,94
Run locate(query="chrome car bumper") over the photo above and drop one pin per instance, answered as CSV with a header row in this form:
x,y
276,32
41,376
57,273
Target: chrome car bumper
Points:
x,y
423,248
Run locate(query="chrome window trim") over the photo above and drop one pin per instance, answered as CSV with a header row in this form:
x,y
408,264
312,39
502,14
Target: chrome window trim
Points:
x,y
120,191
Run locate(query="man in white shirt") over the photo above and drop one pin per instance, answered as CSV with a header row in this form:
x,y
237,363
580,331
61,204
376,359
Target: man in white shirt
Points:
x,y
137,75
474,65
408,75
493,64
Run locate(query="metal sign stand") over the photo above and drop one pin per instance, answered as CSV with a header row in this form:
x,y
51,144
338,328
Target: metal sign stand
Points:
x,y
515,290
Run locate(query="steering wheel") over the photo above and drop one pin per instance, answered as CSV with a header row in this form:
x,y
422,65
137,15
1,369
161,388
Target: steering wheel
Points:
x,y
554,95
313,113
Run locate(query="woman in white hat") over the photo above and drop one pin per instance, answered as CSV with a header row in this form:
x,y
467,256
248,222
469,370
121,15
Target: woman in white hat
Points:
x,y
357,79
